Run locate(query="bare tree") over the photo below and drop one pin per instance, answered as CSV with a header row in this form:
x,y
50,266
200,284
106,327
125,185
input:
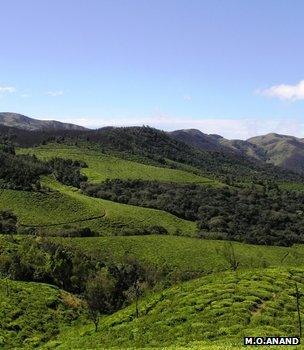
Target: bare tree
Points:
x,y
230,256
298,296
134,293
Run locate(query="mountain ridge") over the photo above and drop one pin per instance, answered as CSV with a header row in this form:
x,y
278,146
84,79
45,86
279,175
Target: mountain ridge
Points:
x,y
21,121
284,151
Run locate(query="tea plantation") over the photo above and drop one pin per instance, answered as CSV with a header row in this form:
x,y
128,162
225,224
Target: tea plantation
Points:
x,y
215,311
65,205
183,256
104,166
157,283
32,313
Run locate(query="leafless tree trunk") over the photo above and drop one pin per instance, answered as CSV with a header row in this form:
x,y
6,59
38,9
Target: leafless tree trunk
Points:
x,y
230,256
137,295
298,308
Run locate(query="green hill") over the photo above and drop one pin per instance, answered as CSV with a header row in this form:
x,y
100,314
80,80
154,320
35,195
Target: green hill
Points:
x,y
103,166
216,311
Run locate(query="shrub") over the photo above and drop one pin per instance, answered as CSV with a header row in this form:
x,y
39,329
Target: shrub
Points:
x,y
8,221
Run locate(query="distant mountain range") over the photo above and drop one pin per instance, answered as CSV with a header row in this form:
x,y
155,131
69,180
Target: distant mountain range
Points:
x,y
280,150
20,121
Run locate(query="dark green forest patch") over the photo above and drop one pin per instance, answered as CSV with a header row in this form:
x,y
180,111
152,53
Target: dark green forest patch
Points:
x,y
257,214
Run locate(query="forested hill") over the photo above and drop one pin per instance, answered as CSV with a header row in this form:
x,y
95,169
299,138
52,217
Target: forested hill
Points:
x,y
149,145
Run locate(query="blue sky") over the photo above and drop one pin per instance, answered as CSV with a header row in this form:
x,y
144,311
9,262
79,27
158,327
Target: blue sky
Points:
x,y
229,67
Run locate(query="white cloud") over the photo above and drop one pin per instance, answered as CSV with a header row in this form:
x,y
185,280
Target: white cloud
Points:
x,y
25,95
229,128
7,89
55,93
285,92
187,97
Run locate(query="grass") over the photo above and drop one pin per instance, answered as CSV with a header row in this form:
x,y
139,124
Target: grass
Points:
x,y
103,166
64,205
184,256
213,312
33,313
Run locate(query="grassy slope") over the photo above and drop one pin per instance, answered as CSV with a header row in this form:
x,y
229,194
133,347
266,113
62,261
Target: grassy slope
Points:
x,y
188,255
31,313
248,303
102,166
67,204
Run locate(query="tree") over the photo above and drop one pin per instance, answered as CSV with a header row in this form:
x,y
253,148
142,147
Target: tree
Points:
x,y
99,295
67,171
230,256
61,267
298,296
8,222
134,293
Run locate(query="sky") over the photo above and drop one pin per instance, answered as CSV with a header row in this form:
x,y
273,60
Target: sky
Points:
x,y
230,67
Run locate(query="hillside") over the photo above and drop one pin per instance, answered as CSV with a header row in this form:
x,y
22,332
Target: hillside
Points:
x,y
188,204
152,146
198,139
33,313
103,166
282,150
146,144
258,297
251,302
185,257
66,208
213,142
120,196
20,121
